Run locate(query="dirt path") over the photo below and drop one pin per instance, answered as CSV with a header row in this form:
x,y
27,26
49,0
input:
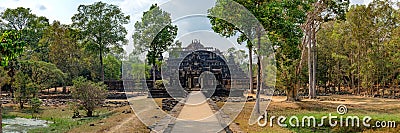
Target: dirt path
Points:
x,y
115,128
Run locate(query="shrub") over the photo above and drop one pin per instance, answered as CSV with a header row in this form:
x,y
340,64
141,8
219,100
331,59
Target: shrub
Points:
x,y
89,94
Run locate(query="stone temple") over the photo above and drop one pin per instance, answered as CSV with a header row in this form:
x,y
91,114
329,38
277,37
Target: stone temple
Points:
x,y
199,68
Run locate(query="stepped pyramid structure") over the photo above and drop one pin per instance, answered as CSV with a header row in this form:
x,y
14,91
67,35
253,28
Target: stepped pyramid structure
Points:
x,y
186,70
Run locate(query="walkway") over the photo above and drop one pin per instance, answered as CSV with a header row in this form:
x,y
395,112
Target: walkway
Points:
x,y
196,116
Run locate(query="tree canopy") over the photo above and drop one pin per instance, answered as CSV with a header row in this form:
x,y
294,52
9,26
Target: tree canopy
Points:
x,y
102,28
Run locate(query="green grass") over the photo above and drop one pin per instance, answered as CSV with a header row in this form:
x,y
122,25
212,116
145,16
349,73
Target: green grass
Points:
x,y
63,121
60,116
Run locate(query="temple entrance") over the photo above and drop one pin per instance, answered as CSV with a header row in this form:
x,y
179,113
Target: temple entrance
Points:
x,y
184,70
193,84
198,62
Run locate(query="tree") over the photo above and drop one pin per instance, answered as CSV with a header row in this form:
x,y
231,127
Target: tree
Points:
x,y
64,50
4,79
31,28
10,48
361,51
43,75
155,35
112,68
89,94
358,18
280,19
225,28
35,105
33,76
25,88
101,25
240,57
321,11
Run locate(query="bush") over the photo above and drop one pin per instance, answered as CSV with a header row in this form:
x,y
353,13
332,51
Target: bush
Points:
x,y
89,94
35,105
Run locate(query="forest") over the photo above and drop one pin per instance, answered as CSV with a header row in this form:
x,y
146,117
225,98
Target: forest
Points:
x,y
320,48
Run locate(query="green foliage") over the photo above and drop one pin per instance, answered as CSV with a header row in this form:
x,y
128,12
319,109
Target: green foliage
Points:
x,y
102,28
35,105
136,69
112,68
154,34
11,46
64,50
159,84
90,94
240,57
25,88
43,75
280,19
34,76
4,79
361,51
31,28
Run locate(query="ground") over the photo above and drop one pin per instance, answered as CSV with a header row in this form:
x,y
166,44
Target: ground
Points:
x,y
378,108
118,118
108,119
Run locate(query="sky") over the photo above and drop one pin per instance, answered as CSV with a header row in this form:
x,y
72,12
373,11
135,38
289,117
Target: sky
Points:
x,y
189,17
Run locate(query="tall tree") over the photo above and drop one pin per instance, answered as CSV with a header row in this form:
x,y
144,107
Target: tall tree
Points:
x,y
362,49
321,11
155,35
31,28
243,27
281,20
11,47
101,24
359,19
33,76
64,50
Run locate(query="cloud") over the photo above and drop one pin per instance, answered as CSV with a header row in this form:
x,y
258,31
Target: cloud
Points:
x,y
42,7
187,7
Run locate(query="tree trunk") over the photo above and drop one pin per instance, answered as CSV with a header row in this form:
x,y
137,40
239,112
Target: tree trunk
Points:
x,y
101,64
11,73
64,89
310,68
352,77
89,113
258,70
21,104
154,75
314,58
358,69
1,111
292,93
251,69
